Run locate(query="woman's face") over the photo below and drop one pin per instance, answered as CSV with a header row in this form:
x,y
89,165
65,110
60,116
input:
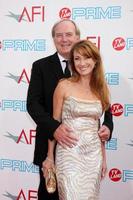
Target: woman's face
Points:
x,y
83,65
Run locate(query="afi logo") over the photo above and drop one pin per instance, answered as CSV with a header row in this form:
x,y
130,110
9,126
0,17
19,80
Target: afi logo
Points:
x,y
117,109
18,79
30,14
32,194
24,137
22,76
95,40
115,174
28,138
65,13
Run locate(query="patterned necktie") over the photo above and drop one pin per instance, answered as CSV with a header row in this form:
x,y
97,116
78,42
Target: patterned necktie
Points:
x,y
67,73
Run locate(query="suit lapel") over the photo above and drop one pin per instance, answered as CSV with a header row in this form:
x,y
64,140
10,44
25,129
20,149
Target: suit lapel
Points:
x,y
56,66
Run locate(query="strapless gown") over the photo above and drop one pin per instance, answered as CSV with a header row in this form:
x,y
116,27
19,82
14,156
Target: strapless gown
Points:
x,y
78,168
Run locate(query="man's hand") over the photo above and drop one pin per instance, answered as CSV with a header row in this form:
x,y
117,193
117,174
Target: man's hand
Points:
x,y
104,133
63,135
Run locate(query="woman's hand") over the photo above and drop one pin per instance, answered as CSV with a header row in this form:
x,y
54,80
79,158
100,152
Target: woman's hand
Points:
x,y
104,169
48,163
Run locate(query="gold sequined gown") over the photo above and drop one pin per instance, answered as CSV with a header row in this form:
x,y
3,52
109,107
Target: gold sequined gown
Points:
x,y
78,168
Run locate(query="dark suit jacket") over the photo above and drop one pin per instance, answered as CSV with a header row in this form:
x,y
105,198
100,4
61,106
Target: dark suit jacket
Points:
x,y
45,75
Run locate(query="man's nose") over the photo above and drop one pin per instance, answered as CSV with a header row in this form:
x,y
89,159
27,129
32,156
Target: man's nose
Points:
x,y
64,37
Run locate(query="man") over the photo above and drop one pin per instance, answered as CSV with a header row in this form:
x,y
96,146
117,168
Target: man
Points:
x,y
45,75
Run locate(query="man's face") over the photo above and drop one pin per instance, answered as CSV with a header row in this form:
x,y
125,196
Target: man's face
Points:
x,y
65,37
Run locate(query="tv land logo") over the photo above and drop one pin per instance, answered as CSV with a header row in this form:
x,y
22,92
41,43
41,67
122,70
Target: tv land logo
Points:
x,y
23,45
22,78
22,195
91,13
118,109
27,14
65,13
26,137
120,43
116,175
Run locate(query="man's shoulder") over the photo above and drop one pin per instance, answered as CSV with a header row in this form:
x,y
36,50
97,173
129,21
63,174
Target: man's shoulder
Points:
x,y
46,59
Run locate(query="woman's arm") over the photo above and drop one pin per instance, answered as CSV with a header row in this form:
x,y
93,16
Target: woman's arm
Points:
x,y
57,111
104,163
48,163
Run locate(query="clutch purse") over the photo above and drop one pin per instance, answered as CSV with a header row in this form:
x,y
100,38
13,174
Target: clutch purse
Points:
x,y
50,181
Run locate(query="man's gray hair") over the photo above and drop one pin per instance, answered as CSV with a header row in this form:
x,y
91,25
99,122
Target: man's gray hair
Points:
x,y
77,31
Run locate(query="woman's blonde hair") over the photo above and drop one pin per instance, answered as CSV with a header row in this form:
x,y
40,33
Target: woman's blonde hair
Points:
x,y
98,83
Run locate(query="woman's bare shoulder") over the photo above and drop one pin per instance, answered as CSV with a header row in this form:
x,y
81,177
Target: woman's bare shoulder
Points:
x,y
63,83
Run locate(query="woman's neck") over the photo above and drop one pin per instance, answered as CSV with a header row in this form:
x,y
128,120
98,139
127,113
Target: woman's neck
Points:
x,y
84,82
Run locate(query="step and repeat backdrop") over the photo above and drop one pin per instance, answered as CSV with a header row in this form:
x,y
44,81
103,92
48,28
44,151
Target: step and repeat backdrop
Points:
x,y
25,36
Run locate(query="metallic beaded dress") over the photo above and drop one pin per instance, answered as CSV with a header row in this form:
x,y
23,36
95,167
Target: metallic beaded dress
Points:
x,y
78,168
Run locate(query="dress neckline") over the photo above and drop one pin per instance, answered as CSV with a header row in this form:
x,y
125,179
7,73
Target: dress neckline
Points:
x,y
81,100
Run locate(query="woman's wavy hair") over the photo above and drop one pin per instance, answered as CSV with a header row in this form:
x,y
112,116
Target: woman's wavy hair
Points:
x,y
98,83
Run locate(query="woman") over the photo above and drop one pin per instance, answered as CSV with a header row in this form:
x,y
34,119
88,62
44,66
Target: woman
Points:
x,y
79,102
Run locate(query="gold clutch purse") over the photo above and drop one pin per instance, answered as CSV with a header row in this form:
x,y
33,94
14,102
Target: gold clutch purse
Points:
x,y
50,181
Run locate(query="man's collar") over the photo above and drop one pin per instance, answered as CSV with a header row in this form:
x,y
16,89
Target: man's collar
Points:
x,y
61,58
